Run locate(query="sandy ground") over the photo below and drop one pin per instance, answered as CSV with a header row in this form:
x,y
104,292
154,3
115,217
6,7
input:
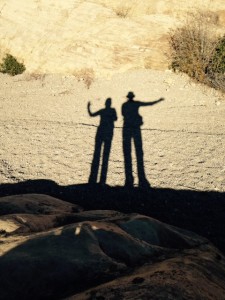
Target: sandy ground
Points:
x,y
46,132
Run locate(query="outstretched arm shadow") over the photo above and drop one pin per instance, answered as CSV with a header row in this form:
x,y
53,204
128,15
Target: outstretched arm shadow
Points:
x,y
132,131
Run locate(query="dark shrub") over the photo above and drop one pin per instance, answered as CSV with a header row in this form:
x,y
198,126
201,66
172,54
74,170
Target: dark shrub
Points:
x,y
11,66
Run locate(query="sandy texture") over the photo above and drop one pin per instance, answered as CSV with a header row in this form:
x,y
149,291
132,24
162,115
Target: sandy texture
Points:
x,y
108,37
47,133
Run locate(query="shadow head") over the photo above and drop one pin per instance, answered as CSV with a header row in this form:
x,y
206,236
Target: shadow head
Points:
x,y
130,95
108,102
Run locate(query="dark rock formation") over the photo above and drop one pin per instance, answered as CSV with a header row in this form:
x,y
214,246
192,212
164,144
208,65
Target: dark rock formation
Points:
x,y
131,255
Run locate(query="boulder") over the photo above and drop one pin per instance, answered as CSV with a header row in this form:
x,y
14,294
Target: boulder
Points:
x,y
130,256
35,204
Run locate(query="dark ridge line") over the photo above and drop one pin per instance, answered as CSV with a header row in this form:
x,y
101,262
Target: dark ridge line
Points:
x,y
191,132
71,124
163,130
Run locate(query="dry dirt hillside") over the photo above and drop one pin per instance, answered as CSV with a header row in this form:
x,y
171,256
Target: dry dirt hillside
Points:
x,y
99,36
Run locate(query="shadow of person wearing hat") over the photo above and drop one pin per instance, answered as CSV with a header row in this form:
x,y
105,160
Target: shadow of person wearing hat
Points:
x,y
103,139
132,131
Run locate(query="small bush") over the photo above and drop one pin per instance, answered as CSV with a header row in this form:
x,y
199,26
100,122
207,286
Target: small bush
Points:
x,y
197,52
192,47
11,66
35,76
216,67
122,11
86,75
218,60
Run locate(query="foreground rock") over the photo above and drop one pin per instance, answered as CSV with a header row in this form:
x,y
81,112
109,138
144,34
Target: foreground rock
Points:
x,y
186,276
133,256
33,213
35,204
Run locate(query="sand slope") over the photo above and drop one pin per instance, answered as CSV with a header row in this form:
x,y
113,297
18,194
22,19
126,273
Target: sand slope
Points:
x,y
47,133
104,36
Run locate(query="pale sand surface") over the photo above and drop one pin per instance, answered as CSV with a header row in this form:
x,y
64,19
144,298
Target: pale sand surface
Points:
x,y
46,132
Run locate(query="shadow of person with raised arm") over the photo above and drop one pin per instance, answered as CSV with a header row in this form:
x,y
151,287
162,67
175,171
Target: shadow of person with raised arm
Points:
x,y
103,139
132,131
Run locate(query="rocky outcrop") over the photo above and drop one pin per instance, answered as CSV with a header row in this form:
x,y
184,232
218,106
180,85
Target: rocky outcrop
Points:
x,y
186,276
35,204
93,37
133,256
33,213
